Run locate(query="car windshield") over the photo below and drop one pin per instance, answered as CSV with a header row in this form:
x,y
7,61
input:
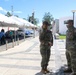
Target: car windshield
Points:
x,y
19,30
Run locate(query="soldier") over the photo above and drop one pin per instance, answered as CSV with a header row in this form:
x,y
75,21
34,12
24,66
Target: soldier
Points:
x,y
46,41
71,47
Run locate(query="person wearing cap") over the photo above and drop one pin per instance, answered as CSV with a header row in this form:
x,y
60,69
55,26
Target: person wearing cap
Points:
x,y
71,48
46,41
2,37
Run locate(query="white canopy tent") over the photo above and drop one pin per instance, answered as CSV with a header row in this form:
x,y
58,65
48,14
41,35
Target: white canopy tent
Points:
x,y
21,21
30,24
14,21
5,21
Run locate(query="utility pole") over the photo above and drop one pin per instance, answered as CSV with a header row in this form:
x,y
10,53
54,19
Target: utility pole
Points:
x,y
33,22
33,17
73,11
15,27
73,16
12,10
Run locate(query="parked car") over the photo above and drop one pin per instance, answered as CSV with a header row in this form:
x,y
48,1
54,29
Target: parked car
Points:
x,y
21,32
56,36
11,34
27,32
31,31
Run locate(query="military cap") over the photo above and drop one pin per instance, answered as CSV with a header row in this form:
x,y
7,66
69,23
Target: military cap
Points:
x,y
68,21
46,23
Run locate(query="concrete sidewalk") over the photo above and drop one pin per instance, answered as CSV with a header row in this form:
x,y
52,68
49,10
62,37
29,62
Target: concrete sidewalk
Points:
x,y
25,58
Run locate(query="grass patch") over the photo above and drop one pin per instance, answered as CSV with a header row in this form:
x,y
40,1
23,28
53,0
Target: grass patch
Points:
x,y
62,37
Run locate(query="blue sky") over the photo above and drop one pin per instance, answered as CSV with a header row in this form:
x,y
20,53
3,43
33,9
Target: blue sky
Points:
x,y
23,8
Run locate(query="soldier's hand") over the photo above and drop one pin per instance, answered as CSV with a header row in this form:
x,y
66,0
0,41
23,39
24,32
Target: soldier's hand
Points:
x,y
50,44
42,42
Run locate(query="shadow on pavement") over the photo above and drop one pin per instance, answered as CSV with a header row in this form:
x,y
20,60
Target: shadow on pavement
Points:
x,y
58,72
61,71
39,73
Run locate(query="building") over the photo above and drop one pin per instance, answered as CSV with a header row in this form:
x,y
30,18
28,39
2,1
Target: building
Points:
x,y
55,26
62,26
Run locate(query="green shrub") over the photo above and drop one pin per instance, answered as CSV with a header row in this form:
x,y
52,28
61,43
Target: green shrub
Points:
x,y
62,37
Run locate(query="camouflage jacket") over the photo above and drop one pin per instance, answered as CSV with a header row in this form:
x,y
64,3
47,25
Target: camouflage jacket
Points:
x,y
45,36
71,39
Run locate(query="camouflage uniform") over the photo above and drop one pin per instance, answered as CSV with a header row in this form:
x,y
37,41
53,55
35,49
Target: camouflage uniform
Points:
x,y
71,48
45,37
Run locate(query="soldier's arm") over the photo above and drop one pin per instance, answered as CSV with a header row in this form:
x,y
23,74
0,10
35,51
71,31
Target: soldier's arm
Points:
x,y
51,37
41,36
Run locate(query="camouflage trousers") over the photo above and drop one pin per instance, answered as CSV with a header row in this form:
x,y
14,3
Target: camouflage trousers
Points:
x,y
45,53
71,59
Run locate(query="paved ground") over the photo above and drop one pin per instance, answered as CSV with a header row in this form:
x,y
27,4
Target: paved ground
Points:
x,y
24,59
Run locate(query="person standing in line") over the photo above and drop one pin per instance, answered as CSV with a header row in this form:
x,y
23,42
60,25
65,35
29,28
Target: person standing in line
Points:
x,y
2,37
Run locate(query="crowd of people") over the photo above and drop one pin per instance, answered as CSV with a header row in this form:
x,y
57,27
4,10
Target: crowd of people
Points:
x,y
11,35
5,35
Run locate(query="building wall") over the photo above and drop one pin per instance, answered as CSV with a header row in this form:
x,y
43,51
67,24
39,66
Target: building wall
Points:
x,y
55,26
62,26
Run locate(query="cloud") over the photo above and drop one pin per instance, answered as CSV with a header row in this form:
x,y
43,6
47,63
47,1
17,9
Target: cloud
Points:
x,y
17,12
3,10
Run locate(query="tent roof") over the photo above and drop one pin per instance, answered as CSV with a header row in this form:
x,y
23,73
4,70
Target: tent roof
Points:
x,y
5,21
24,22
14,21
21,21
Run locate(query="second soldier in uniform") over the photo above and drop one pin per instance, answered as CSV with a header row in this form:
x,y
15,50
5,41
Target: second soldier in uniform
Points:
x,y
71,47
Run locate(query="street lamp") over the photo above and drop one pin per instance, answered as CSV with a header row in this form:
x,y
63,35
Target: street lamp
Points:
x,y
33,22
73,11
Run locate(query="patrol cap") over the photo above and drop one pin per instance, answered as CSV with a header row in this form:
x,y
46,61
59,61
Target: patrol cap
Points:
x,y
68,21
46,23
